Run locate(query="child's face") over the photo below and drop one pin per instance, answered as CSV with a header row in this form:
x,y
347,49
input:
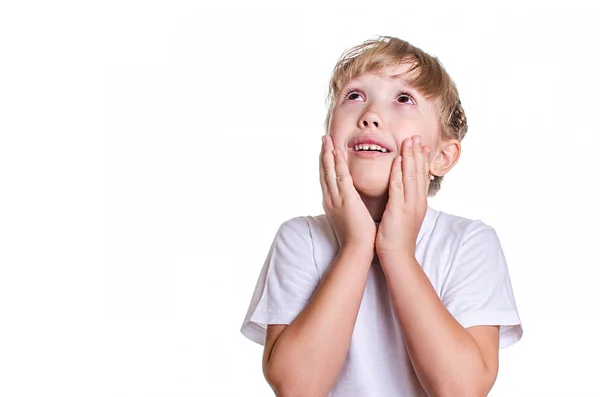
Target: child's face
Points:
x,y
387,110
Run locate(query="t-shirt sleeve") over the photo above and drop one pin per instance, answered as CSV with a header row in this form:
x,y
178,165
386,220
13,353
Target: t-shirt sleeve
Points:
x,y
287,281
478,290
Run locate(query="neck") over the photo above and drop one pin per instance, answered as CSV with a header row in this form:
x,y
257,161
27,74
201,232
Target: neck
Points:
x,y
375,206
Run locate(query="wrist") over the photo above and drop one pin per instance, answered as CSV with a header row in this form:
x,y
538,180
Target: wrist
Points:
x,y
394,256
360,250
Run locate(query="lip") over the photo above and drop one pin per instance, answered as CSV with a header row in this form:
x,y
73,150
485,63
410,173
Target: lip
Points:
x,y
369,140
368,154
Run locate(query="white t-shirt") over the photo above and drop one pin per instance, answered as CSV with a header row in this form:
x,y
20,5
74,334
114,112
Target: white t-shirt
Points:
x,y
465,264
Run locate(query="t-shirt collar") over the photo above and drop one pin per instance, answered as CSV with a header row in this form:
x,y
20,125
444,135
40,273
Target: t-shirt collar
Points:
x,y
428,221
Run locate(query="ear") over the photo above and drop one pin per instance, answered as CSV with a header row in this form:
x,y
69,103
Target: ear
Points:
x,y
446,158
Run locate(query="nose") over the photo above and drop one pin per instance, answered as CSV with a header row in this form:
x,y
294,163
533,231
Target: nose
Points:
x,y
370,119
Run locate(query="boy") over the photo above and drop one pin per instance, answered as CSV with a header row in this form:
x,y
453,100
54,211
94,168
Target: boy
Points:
x,y
383,295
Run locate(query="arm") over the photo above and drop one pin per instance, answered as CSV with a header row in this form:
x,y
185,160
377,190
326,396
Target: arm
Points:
x,y
448,359
305,358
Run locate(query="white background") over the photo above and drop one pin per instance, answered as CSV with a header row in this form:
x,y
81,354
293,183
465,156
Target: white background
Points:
x,y
149,152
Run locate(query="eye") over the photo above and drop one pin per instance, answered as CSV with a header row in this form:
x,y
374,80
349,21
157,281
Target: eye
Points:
x,y
405,95
353,94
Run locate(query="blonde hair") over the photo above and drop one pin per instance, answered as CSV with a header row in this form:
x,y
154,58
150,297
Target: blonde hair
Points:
x,y
430,79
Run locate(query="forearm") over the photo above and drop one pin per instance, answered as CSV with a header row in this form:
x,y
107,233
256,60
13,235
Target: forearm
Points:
x,y
445,357
309,354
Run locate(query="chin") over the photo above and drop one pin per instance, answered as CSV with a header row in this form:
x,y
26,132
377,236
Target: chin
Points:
x,y
371,182
372,189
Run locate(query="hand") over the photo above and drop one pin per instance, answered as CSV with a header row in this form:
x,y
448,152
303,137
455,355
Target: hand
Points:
x,y
407,201
352,222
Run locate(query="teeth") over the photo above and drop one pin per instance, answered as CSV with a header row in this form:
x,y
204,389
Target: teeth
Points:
x,y
370,147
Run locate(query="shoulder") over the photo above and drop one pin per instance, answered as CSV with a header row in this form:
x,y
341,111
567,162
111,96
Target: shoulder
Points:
x,y
473,246
307,227
312,234
316,226
297,224
305,224
462,228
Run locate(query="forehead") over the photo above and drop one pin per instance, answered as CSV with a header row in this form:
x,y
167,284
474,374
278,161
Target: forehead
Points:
x,y
400,72
391,73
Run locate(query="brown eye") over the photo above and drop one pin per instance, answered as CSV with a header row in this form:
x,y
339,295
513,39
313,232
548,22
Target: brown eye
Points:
x,y
404,98
353,94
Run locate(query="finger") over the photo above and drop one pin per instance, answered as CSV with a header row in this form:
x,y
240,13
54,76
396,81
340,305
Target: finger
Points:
x,y
343,177
427,163
322,167
420,167
396,188
324,188
409,172
329,168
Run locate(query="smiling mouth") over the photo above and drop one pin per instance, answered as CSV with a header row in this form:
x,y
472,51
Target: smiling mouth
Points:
x,y
370,148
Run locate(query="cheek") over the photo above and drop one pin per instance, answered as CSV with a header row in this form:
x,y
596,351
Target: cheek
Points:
x,y
339,132
344,118
339,142
340,124
408,128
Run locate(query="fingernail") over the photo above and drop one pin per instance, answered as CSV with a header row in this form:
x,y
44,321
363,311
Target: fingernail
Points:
x,y
410,143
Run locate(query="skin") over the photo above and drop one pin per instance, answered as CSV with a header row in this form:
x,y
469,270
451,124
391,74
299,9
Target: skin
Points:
x,y
378,110
393,189
305,357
